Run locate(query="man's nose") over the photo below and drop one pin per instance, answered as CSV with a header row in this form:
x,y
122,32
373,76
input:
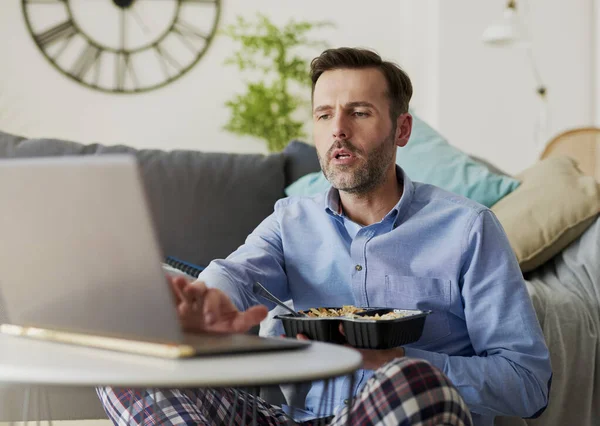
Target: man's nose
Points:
x,y
341,129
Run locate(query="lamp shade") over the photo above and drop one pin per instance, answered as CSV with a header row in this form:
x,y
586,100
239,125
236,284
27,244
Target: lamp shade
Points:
x,y
506,32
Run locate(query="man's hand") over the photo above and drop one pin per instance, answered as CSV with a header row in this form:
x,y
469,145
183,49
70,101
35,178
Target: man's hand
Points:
x,y
372,358
203,309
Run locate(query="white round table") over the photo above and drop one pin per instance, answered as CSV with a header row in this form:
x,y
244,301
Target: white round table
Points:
x,y
27,361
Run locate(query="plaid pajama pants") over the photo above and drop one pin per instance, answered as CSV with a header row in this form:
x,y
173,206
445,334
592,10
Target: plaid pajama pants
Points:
x,y
403,392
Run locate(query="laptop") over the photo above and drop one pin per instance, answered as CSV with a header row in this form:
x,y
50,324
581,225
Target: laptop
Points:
x,y
80,262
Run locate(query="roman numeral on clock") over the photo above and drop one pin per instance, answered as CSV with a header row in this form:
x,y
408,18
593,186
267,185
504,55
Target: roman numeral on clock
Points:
x,y
124,69
63,31
167,61
88,57
188,34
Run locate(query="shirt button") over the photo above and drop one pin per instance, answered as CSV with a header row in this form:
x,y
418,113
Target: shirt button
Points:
x,y
358,268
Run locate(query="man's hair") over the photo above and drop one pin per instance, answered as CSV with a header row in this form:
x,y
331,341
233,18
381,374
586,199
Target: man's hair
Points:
x,y
399,85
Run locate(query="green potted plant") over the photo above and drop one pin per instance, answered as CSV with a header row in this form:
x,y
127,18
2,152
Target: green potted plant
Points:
x,y
272,105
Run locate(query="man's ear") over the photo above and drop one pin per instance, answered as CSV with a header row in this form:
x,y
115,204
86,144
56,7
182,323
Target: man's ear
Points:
x,y
403,129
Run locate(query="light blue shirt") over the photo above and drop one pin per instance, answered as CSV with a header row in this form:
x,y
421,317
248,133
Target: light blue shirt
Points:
x,y
433,251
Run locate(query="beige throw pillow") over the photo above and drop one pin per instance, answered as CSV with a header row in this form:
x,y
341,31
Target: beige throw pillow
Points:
x,y
554,205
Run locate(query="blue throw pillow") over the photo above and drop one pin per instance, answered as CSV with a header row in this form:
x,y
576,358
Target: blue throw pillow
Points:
x,y
429,158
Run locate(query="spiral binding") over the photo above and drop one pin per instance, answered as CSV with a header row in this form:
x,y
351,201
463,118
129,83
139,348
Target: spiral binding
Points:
x,y
186,267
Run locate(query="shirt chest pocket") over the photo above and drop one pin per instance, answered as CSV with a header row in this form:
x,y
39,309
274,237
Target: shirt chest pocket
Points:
x,y
422,293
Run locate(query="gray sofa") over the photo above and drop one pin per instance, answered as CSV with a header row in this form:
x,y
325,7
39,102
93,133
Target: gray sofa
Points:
x,y
204,205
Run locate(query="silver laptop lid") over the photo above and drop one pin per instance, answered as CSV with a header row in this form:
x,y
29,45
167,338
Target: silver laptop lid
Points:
x,y
78,251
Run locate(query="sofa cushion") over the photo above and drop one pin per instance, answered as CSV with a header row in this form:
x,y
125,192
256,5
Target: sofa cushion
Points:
x,y
204,204
553,206
429,157
491,167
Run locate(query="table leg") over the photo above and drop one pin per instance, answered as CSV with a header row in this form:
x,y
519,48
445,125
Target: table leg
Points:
x,y
26,405
245,404
154,400
235,403
254,405
143,406
38,405
11,423
130,406
34,395
47,403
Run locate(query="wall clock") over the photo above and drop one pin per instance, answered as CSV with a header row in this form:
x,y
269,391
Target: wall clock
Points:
x,y
122,46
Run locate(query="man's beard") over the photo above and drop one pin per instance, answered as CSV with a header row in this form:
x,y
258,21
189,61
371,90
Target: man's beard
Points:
x,y
359,178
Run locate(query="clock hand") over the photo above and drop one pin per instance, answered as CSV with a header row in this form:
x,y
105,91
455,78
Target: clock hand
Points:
x,y
139,21
123,29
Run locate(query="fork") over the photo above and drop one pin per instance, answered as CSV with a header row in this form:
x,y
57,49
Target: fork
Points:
x,y
258,289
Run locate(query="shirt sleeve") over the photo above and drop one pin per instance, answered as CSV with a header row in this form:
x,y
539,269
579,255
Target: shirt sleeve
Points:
x,y
511,372
260,259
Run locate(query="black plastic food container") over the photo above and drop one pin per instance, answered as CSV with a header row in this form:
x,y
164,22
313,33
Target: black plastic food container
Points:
x,y
363,333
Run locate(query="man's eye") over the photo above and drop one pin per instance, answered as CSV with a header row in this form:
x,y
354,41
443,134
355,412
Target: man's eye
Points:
x,y
360,114
323,117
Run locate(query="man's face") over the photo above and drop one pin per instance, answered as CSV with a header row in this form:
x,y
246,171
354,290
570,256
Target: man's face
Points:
x,y
354,135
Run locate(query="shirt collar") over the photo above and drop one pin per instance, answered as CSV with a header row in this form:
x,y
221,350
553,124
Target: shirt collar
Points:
x,y
332,199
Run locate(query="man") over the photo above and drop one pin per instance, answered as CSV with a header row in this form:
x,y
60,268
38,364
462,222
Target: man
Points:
x,y
379,239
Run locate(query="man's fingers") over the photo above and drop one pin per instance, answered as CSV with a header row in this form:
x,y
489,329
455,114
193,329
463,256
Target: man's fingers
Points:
x,y
195,294
301,336
211,305
184,310
244,321
213,309
257,313
177,285
253,316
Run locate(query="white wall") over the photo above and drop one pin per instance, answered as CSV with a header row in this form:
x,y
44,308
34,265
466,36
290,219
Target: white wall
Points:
x,y
186,114
487,98
481,98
